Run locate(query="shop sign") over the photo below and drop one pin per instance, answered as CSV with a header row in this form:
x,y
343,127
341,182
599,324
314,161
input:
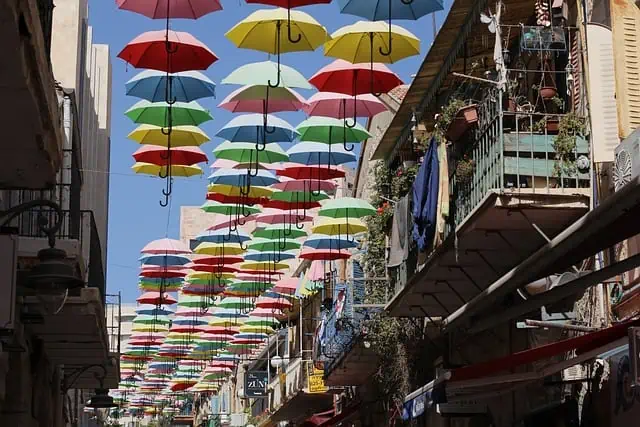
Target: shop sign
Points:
x,y
316,380
256,384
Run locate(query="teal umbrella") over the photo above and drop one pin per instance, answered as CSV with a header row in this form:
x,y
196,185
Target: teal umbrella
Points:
x,y
157,113
260,73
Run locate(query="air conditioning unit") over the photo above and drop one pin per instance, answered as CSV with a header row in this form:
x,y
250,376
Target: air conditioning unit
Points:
x,y
8,269
626,164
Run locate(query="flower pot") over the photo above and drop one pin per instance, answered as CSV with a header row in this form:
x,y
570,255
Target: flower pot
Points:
x,y
553,126
512,105
466,117
548,92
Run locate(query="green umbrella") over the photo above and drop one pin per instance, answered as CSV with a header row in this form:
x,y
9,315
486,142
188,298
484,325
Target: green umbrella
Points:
x,y
259,73
279,232
151,320
228,209
250,286
299,196
253,92
268,245
346,207
245,152
262,321
234,302
211,281
187,300
330,131
156,113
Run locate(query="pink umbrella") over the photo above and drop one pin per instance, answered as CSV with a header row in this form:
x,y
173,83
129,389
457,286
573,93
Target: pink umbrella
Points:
x,y
277,216
243,101
342,106
316,272
156,299
305,185
274,303
229,224
231,164
324,254
287,286
166,246
162,9
267,312
171,51
355,79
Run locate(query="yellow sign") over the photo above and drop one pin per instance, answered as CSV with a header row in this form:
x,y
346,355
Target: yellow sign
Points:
x,y
316,381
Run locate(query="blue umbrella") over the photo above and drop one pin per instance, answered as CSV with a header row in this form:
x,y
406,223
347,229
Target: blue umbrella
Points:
x,y
164,260
378,10
229,313
316,153
268,256
190,321
318,241
153,310
238,178
251,128
161,280
223,236
186,86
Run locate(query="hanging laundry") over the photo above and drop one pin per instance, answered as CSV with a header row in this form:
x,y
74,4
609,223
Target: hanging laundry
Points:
x,y
425,198
399,239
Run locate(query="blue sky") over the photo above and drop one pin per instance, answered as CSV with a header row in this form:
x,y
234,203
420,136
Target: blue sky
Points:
x,y
135,217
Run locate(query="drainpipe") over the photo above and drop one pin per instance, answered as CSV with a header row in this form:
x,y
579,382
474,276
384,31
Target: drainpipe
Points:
x,y
67,154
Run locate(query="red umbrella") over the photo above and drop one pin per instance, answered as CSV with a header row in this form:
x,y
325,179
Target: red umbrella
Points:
x,y
287,206
213,268
179,52
222,198
299,171
355,79
179,155
288,285
162,9
217,260
156,299
274,303
324,254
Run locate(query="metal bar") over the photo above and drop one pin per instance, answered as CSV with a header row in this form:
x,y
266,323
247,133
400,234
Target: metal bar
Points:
x,y
556,294
557,325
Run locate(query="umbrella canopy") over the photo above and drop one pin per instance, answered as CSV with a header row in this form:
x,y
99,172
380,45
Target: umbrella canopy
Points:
x,y
378,10
319,241
246,152
181,136
340,226
261,73
316,172
346,207
255,99
166,246
178,155
162,9
156,298
340,105
366,42
316,153
156,113
251,128
185,86
156,170
324,254
215,249
228,209
289,3
305,185
185,53
264,31
330,131
238,177
355,79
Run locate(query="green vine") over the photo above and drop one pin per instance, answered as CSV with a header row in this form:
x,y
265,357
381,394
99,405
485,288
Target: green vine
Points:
x,y
402,181
564,144
447,115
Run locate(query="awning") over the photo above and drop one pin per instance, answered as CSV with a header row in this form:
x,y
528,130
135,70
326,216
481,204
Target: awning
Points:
x,y
329,418
483,380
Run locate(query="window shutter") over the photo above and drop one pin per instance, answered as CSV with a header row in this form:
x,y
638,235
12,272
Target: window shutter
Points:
x,y
625,20
602,93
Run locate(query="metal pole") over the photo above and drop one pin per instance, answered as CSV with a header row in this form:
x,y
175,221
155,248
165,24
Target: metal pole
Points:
x,y
556,325
300,332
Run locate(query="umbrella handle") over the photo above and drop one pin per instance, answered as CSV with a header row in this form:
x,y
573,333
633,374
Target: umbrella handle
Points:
x,y
271,85
291,39
407,2
380,49
373,92
344,141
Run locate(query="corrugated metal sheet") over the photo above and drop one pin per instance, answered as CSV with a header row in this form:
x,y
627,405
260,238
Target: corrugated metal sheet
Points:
x,y
602,95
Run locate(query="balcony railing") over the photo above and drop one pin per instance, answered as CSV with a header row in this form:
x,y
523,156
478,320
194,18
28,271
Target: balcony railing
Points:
x,y
76,225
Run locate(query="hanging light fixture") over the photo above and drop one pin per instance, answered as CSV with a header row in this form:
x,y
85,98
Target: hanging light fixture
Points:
x,y
101,400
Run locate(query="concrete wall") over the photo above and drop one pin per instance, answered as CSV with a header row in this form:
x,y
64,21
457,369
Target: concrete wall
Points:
x,y
194,221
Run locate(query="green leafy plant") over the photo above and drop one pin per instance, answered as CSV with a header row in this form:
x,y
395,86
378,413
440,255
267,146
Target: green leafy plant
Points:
x,y
402,181
564,144
447,115
464,170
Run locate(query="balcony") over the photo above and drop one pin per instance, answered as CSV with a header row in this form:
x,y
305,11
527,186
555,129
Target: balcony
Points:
x,y
30,112
513,196
290,398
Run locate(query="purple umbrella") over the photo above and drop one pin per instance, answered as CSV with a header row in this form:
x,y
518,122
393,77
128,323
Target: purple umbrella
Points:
x,y
163,9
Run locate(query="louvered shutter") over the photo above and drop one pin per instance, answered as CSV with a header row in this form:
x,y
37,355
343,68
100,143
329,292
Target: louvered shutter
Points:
x,y
625,21
602,93
576,64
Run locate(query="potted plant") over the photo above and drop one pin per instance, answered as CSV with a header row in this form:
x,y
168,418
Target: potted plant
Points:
x,y
464,170
564,144
511,104
456,118
547,87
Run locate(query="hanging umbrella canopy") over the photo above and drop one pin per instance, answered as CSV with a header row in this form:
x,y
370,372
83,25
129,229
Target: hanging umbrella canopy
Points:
x,y
228,209
305,185
234,302
274,216
179,155
246,152
185,53
263,99
313,172
330,131
235,191
166,246
156,113
162,9
185,86
181,136
260,244
317,153
152,310
346,207
168,284
299,196
273,303
215,249
176,170
156,298
261,73
239,178
341,106
355,79
287,286
223,236
320,241
378,10
324,254
151,320
340,226
215,260
268,256
164,260
366,42
266,266
266,30
251,128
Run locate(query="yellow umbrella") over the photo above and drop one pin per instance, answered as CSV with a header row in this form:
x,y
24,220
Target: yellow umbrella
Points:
x,y
216,249
264,266
206,276
266,30
231,190
256,329
176,170
140,327
181,136
367,41
335,226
